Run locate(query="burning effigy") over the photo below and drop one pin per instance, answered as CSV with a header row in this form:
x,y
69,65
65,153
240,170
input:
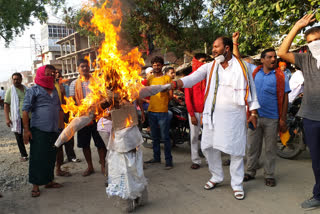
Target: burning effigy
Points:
x,y
115,85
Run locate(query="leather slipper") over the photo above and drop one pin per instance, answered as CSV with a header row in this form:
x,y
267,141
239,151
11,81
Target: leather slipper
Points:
x,y
35,193
53,185
63,173
195,166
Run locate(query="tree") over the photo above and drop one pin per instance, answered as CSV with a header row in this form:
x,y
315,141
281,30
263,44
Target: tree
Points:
x,y
176,26
185,25
15,15
260,22
79,21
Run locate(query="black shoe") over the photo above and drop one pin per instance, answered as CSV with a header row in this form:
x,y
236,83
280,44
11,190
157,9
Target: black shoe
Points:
x,y
168,166
247,177
153,161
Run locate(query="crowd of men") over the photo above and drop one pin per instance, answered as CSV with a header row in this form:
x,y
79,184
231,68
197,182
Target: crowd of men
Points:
x,y
239,106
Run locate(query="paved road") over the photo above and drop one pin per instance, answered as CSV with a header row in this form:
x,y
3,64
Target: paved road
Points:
x,y
179,190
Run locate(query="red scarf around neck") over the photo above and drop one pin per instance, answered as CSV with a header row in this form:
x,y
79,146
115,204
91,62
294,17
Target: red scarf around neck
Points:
x,y
280,78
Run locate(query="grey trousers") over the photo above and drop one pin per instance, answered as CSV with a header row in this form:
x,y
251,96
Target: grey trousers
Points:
x,y
267,130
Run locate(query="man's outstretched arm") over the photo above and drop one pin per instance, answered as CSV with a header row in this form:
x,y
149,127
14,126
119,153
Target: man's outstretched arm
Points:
x,y
285,46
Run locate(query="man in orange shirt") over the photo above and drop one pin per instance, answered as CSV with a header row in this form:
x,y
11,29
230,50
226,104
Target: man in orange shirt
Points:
x,y
158,114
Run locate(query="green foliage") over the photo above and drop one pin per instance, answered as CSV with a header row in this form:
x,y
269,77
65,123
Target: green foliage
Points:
x,y
169,24
176,26
73,17
15,15
260,22
186,25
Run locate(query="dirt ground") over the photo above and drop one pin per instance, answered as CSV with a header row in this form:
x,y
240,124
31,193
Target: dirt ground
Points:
x,y
179,190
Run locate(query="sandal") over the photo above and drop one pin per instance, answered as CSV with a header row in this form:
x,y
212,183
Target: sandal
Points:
x,y
195,166
24,159
63,173
270,182
35,193
53,185
238,194
210,185
87,172
247,177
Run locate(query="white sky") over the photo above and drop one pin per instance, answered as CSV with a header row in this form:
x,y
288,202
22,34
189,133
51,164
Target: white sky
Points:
x,y
18,57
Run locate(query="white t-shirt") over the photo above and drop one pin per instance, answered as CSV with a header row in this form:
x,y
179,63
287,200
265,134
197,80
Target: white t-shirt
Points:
x,y
2,94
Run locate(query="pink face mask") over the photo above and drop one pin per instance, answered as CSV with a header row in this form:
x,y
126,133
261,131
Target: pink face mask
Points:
x,y
43,80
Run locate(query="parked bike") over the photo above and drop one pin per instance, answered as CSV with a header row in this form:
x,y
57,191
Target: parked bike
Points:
x,y
295,144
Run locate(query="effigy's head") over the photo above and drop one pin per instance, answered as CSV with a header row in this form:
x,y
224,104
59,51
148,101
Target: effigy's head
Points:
x,y
116,73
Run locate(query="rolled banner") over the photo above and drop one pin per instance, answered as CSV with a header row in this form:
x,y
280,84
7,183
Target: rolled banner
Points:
x,y
75,125
148,91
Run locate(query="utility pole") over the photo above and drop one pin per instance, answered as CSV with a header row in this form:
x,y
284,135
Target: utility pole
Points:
x,y
33,37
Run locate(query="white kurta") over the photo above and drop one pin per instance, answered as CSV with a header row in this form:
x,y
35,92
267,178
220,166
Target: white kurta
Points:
x,y
296,85
229,129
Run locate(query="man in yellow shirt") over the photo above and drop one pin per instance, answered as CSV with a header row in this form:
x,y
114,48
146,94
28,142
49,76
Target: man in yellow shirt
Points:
x,y
158,114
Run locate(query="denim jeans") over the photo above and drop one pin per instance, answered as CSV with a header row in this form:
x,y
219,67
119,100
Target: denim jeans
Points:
x,y
312,139
159,125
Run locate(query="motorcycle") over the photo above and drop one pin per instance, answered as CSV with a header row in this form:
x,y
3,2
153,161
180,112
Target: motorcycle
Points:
x,y
295,144
179,124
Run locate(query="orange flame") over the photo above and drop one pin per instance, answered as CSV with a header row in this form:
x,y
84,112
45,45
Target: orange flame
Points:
x,y
113,70
129,121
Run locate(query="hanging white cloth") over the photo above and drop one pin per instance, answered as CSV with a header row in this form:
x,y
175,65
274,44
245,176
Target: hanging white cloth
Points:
x,y
125,174
15,111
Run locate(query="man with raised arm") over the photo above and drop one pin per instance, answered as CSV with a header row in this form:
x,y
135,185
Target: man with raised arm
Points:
x,y
229,87
310,108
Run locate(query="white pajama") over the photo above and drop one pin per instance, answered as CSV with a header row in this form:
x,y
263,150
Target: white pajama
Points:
x,y
225,129
194,138
215,167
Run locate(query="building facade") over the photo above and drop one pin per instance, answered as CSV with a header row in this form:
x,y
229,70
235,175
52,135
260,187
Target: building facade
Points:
x,y
49,51
73,48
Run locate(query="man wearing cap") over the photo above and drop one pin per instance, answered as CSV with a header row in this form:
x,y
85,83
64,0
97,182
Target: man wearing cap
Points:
x,y
283,67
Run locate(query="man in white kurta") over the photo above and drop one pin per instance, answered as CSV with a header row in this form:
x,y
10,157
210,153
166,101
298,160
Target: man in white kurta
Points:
x,y
296,85
225,127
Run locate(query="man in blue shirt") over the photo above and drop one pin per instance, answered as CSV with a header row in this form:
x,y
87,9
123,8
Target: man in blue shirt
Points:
x,y
42,100
272,87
